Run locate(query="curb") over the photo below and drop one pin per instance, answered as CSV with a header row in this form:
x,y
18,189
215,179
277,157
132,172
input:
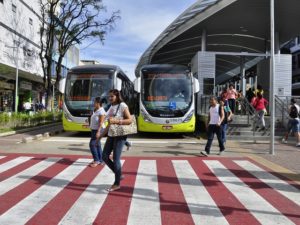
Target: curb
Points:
x,y
39,137
28,129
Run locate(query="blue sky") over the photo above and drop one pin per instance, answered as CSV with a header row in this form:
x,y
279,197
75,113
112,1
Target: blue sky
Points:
x,y
141,22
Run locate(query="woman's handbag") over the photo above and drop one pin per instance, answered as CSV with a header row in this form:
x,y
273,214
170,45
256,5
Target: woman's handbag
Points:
x,y
123,130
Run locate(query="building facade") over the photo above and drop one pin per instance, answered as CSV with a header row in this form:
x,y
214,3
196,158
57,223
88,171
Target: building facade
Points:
x,y
19,49
295,51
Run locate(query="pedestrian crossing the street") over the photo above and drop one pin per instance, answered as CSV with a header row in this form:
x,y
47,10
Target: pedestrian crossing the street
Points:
x,y
45,189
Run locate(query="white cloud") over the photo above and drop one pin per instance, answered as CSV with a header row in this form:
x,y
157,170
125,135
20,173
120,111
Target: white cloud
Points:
x,y
140,24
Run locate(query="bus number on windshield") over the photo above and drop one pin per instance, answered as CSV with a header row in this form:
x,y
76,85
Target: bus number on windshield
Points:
x,y
157,98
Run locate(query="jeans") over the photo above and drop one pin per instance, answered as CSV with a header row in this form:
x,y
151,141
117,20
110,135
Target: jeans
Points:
x,y
116,145
231,103
95,147
211,131
223,132
261,119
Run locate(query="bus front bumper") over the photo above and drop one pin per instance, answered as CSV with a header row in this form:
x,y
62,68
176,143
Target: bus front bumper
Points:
x,y
187,127
73,126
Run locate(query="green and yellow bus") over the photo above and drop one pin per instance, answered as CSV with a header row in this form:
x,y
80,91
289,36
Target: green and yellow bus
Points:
x,y
83,84
166,99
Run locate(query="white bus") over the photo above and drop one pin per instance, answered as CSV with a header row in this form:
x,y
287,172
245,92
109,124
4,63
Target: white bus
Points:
x,y
83,84
166,99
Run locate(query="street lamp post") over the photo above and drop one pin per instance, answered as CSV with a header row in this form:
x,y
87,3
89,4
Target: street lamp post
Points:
x,y
53,95
272,77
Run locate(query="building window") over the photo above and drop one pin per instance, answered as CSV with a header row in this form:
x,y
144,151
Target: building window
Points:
x,y
14,8
30,21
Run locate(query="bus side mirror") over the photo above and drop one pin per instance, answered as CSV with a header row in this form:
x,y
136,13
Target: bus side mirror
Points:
x,y
196,85
118,85
137,85
62,85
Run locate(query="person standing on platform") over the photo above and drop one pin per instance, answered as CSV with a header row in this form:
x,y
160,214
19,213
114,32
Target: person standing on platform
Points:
x,y
223,95
259,90
227,117
231,96
215,119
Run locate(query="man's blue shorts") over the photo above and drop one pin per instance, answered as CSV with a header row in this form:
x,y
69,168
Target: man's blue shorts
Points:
x,y
293,125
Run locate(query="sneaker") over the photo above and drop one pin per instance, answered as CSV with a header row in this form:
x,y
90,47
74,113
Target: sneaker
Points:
x,y
204,153
284,141
93,165
113,188
221,152
298,145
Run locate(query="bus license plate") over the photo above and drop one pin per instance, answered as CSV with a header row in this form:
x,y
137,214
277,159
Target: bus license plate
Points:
x,y
85,126
167,127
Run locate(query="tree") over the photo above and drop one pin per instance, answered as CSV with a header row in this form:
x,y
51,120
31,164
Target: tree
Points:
x,y
69,22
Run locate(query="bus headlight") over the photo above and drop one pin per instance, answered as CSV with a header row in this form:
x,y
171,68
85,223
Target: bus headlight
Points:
x,y
68,117
145,116
189,117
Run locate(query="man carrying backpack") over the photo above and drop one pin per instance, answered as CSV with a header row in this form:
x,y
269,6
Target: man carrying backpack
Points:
x,y
215,119
294,122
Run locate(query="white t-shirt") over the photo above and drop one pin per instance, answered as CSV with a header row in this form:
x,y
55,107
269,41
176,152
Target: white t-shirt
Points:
x,y
214,115
95,119
112,112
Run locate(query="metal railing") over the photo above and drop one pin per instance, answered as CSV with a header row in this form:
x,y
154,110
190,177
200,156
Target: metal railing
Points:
x,y
282,104
244,108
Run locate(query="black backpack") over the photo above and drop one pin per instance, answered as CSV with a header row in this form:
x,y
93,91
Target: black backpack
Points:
x,y
294,112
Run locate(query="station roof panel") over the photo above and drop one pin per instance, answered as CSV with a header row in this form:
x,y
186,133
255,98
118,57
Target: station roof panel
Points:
x,y
230,25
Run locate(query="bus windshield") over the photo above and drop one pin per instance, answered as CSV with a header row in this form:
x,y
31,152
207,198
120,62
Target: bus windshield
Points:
x,y
81,90
167,94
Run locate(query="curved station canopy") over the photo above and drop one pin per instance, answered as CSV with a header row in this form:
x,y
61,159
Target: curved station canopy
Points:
x,y
230,28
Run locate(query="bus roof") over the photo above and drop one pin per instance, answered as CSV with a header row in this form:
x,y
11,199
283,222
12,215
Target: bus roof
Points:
x,y
164,68
94,68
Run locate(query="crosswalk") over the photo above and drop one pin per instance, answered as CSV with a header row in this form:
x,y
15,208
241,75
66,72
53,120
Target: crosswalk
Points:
x,y
192,190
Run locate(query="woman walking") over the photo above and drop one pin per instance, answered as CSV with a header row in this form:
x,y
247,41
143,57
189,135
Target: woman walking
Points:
x,y
260,103
96,125
118,113
231,96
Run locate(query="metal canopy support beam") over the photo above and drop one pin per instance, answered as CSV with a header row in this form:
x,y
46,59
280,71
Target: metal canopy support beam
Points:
x,y
242,74
243,54
203,43
272,76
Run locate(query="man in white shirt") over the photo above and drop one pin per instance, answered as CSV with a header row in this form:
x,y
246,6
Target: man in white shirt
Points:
x,y
215,119
294,122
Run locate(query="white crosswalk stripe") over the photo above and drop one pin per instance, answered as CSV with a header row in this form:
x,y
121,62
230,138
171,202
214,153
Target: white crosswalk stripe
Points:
x,y
203,208
12,163
145,194
86,208
23,176
277,184
88,204
259,207
42,196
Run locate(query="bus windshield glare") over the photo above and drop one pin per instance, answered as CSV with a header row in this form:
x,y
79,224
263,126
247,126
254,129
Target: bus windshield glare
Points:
x,y
81,90
167,94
